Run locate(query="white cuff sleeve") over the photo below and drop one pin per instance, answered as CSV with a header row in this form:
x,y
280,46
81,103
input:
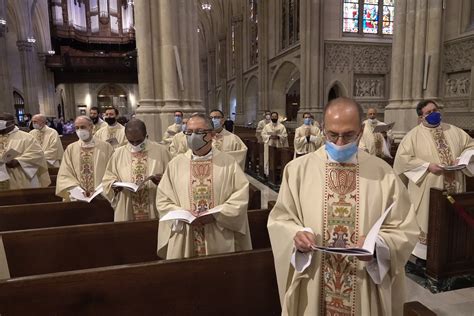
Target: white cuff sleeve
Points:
x,y
379,266
30,170
300,260
313,139
415,174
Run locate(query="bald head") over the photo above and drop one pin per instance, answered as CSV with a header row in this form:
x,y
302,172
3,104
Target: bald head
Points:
x,y
84,120
342,120
39,121
135,131
371,113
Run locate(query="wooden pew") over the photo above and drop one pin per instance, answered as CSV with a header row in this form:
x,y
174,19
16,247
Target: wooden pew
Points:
x,y
278,159
96,245
450,241
53,171
54,214
229,284
68,139
28,196
261,160
255,198
415,308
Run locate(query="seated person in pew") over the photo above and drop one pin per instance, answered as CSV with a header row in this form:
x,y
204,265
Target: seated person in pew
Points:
x,y
332,198
375,143
308,137
226,141
22,162
113,132
84,161
420,157
139,161
266,120
48,139
173,129
273,134
202,179
179,145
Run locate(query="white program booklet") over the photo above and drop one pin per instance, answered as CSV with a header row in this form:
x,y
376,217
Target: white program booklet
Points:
x,y
186,216
131,186
383,127
369,243
78,193
466,159
9,155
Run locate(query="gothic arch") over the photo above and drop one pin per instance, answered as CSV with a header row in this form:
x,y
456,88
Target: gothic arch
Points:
x,y
336,89
251,99
280,83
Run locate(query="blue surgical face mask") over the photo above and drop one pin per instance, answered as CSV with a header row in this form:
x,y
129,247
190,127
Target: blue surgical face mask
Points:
x,y
216,122
178,119
308,121
341,153
434,118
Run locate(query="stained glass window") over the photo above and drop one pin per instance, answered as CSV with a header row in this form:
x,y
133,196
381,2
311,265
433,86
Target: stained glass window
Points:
x,y
368,16
253,27
290,23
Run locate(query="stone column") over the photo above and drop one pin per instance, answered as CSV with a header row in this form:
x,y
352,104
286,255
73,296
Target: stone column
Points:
x,y
416,44
211,79
311,70
222,73
240,117
6,92
263,85
28,70
168,61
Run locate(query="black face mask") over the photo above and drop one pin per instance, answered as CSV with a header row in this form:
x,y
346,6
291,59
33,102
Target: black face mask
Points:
x,y
95,120
110,120
274,120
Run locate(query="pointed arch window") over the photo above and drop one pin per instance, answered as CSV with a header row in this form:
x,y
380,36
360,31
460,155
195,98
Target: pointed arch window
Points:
x,y
290,23
368,17
253,31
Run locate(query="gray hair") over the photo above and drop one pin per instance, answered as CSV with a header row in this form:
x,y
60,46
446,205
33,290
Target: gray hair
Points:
x,y
86,118
40,116
203,117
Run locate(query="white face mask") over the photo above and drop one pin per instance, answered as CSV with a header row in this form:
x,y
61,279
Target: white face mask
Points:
x,y
137,148
36,126
83,134
3,124
267,117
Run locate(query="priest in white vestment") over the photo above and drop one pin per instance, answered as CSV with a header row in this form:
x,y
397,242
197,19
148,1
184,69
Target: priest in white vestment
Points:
x,y
48,139
173,129
332,198
96,120
226,141
84,161
273,134
199,180
419,158
22,162
308,137
179,145
261,124
135,163
378,144
114,132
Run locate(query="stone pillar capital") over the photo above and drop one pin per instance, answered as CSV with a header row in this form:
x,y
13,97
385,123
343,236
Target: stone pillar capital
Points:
x,y
25,46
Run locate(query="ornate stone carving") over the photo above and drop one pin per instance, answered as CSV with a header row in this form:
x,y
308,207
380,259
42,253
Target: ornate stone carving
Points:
x,y
360,58
24,46
458,55
369,87
458,87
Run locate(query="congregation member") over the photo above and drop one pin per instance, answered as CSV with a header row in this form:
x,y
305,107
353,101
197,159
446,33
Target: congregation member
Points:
x,y
261,124
22,162
226,141
332,198
48,139
202,179
179,145
173,129
98,122
113,132
84,161
308,137
141,162
375,143
273,134
420,157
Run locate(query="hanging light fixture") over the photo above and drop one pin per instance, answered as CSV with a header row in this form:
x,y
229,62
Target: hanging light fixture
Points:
x,y
31,40
3,22
206,6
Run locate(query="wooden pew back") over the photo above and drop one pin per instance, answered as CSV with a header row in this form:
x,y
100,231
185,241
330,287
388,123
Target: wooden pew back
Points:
x,y
43,215
96,245
230,284
28,196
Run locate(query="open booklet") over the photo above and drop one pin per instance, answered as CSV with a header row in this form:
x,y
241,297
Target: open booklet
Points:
x,y
465,159
132,186
186,216
78,193
9,155
369,243
383,127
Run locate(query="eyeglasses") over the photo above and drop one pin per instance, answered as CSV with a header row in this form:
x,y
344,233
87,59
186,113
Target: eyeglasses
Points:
x,y
347,138
215,117
188,132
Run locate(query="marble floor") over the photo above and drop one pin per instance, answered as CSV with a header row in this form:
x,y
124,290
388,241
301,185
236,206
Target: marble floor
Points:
x,y
451,303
